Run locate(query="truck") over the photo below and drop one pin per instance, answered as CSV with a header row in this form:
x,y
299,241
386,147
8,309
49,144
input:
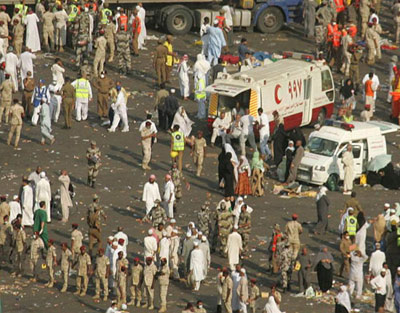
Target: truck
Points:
x,y
301,90
322,161
178,17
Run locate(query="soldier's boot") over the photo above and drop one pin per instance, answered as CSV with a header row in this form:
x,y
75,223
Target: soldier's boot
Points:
x,y
96,297
83,293
64,289
89,181
219,308
105,298
93,183
162,309
138,304
51,284
151,307
132,302
61,49
77,292
144,305
110,59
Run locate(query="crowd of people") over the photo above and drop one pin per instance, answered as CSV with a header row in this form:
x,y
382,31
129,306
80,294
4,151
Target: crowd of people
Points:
x,y
171,250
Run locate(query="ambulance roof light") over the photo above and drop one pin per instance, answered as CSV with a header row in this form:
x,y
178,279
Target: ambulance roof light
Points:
x,y
347,126
342,125
298,56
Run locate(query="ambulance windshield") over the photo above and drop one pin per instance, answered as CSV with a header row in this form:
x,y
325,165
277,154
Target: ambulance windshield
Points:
x,y
322,146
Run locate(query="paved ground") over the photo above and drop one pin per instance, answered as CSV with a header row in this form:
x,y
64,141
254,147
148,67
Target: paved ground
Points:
x,y
121,180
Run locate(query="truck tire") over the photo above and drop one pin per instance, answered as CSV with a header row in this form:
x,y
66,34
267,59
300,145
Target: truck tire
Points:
x,y
270,20
179,22
333,182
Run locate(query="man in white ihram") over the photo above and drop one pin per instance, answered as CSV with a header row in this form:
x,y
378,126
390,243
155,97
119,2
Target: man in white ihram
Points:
x,y
26,64
27,204
221,124
150,245
169,196
356,275
120,110
15,208
376,260
43,193
197,264
151,193
348,167
165,244
233,248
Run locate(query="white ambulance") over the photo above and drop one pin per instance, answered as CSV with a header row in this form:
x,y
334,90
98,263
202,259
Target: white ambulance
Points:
x,y
322,159
301,90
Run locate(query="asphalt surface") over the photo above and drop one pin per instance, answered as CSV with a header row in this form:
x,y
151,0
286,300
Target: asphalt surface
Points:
x,y
120,183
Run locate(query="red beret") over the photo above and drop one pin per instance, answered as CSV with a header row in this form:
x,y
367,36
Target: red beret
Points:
x,y
294,215
121,241
83,248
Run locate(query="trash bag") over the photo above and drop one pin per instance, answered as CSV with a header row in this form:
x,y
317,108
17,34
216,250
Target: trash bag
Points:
x,y
310,292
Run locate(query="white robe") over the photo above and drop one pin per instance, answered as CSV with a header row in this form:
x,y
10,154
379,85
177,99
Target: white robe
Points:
x,y
151,193
197,264
26,64
361,236
43,193
32,32
205,248
143,33
271,306
169,193
165,244
122,235
57,71
150,246
375,262
348,166
235,299
15,209
11,68
184,122
233,247
27,206
183,75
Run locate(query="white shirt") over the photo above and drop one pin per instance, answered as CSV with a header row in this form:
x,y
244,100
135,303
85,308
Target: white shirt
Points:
x,y
169,191
228,15
150,246
122,235
379,284
15,209
264,131
57,72
376,261
247,122
221,123
153,127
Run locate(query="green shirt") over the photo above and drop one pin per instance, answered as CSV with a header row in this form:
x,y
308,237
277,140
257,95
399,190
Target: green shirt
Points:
x,y
39,217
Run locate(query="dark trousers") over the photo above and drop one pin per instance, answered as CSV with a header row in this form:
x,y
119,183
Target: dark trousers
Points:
x,y
162,120
304,280
379,301
170,119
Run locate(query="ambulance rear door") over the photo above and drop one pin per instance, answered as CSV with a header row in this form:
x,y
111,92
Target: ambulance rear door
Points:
x,y
307,106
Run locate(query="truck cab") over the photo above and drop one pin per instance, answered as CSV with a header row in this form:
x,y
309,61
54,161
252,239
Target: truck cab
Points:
x,y
322,160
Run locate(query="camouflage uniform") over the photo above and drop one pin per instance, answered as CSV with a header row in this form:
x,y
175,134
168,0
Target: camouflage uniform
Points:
x,y
204,220
94,229
19,239
285,264
123,51
36,246
244,225
157,215
225,225
93,155
82,38
214,225
163,278
177,178
136,287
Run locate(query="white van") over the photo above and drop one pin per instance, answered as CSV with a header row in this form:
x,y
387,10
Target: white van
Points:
x,y
323,156
301,90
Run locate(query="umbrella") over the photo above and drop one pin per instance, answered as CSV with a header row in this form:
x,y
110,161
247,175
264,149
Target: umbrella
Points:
x,y
379,162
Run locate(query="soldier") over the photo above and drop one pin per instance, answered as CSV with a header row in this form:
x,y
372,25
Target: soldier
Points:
x,y
68,102
227,286
51,261
103,86
86,69
163,278
137,280
173,254
120,277
225,225
244,225
169,63
7,89
29,86
293,231
109,33
5,234
254,295
82,36
160,57
76,242
19,245
18,39
100,57
94,229
354,73
157,214
123,50
203,220
84,269
147,134
276,239
285,265
93,156
66,257
149,272
102,272
199,152
17,114
36,246
364,10
48,30
136,29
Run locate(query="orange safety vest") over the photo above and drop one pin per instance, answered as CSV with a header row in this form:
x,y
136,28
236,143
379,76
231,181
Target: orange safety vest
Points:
x,y
353,31
221,20
330,33
136,25
123,21
339,6
94,6
274,242
337,36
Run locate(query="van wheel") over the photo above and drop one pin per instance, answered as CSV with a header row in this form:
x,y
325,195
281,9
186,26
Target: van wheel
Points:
x,y
321,117
179,22
333,182
270,20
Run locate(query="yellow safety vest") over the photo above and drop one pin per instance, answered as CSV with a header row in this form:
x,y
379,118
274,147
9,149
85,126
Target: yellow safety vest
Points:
x,y
82,88
179,141
170,59
105,13
23,9
200,92
348,119
74,12
398,236
351,223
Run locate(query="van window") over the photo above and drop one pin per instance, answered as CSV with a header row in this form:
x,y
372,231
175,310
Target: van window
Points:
x,y
322,146
326,80
356,151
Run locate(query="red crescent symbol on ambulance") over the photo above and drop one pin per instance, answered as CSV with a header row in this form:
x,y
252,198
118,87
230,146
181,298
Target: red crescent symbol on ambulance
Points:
x,y
277,100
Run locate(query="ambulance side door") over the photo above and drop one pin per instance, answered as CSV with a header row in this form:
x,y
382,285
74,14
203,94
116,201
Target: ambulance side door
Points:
x,y
307,106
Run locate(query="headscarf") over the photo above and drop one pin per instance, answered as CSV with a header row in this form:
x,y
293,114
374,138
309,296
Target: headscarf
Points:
x,y
184,59
271,306
324,255
291,148
237,209
185,123
244,166
343,298
229,148
256,162
201,65
321,193
346,90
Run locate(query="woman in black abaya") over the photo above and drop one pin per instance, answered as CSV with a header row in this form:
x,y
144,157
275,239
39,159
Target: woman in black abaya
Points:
x,y
324,267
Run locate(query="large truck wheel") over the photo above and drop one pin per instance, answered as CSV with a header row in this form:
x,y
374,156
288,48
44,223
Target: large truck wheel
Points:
x,y
332,182
179,22
270,20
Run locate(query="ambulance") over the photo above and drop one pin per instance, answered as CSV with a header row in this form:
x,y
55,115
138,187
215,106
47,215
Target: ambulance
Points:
x,y
322,159
300,89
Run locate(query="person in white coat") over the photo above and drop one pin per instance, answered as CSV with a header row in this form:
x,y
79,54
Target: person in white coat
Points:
x,y
376,260
57,71
183,76
165,244
220,127
27,203
120,110
43,193
25,64
151,193
169,196
66,202
233,248
150,245
348,167
11,68
32,33
141,12
121,235
15,208
205,247
356,275
197,264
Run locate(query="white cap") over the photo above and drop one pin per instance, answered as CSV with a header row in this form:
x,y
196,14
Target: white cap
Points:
x,y
111,238
391,210
196,243
42,174
200,233
188,234
383,270
164,233
15,197
173,221
204,238
351,209
398,269
115,243
216,21
191,224
387,205
243,270
235,227
172,90
150,231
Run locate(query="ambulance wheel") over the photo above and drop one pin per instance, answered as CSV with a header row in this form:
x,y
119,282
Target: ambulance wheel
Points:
x,y
179,22
333,182
321,117
270,20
